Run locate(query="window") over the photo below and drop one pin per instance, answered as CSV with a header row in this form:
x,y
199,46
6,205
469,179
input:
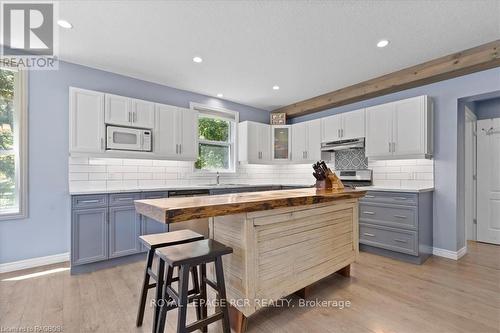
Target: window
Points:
x,y
216,139
13,152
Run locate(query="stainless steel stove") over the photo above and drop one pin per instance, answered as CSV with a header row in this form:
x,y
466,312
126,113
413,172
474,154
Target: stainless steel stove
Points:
x,y
355,178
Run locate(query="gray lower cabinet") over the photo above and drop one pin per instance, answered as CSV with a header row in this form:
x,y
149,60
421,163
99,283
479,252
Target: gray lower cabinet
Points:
x,y
397,224
124,231
89,235
104,226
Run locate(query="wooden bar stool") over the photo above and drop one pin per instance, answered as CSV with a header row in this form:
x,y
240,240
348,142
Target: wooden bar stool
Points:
x,y
186,257
153,242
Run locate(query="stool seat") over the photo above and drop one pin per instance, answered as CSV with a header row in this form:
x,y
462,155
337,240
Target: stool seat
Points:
x,y
193,253
154,241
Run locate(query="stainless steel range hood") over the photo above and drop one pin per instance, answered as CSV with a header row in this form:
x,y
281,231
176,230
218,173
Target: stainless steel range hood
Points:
x,y
343,144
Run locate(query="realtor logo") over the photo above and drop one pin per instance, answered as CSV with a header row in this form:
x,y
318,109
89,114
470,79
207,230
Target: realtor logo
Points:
x,y
28,29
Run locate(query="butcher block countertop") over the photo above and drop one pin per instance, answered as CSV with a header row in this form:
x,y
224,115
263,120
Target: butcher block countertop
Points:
x,y
170,210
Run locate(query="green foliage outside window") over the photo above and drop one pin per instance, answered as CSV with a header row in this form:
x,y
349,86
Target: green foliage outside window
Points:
x,y
211,155
7,167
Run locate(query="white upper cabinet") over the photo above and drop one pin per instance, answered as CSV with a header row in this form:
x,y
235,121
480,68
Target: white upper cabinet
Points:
x,y
402,129
189,135
164,139
254,142
130,112
281,142
306,141
143,113
176,133
118,110
353,125
331,127
343,126
86,121
379,130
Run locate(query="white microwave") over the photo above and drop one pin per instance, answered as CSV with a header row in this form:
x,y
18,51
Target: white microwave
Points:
x,y
126,138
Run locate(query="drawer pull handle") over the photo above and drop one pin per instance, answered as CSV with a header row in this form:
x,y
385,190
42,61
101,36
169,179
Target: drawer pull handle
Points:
x,y
369,196
369,235
400,216
369,213
124,199
400,198
90,201
401,240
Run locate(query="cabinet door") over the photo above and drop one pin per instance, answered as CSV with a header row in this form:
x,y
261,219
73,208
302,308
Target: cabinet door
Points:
x,y
86,121
89,234
253,142
313,139
299,142
353,125
281,142
143,113
188,148
118,110
124,231
264,141
166,131
379,130
408,129
330,128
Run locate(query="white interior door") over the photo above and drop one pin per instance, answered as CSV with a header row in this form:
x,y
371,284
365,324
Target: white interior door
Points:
x,y
488,181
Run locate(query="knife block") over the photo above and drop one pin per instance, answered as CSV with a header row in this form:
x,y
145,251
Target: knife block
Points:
x,y
331,182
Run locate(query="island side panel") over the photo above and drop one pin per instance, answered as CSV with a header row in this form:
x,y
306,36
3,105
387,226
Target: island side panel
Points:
x,y
282,250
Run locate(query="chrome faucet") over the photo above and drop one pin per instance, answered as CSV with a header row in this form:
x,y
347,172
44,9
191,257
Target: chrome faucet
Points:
x,y
217,178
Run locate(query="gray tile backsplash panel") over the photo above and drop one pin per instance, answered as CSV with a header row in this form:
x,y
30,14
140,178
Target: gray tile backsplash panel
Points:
x,y
351,159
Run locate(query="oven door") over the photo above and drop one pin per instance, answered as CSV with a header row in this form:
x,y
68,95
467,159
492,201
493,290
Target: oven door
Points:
x,y
123,138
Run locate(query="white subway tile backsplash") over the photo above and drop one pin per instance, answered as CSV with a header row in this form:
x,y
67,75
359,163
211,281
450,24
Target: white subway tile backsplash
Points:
x,y
122,168
106,173
86,168
403,173
78,176
97,176
137,162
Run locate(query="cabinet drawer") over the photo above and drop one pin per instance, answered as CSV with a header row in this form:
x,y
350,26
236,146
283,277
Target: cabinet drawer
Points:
x,y
397,198
389,215
155,195
123,199
90,201
404,241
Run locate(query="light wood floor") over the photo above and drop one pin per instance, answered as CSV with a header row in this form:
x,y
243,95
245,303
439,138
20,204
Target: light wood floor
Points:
x,y
386,295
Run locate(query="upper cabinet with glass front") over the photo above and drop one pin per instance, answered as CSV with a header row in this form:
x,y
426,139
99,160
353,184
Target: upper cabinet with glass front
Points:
x,y
281,138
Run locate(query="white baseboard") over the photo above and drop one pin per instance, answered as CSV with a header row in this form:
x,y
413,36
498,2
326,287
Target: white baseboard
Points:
x,y
455,255
34,262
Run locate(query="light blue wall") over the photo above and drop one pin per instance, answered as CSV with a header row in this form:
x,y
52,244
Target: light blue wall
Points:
x,y
47,229
487,109
448,141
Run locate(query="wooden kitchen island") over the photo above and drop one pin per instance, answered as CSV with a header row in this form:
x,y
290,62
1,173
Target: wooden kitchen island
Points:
x,y
283,241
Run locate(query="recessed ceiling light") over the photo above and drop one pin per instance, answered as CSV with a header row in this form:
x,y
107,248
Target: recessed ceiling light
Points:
x,y
382,43
197,59
276,87
64,24
220,95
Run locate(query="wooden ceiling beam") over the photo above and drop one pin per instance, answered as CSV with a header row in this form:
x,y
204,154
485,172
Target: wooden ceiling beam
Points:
x,y
472,60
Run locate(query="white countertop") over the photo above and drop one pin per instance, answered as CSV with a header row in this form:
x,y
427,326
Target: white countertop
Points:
x,y
229,186
178,187
397,189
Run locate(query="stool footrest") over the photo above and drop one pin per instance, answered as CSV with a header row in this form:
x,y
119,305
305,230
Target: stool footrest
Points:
x,y
152,285
212,284
152,274
204,322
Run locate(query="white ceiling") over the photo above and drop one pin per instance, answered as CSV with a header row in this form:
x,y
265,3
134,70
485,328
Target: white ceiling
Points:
x,y
306,47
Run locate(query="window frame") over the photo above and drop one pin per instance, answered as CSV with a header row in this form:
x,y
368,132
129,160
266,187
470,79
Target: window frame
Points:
x,y
21,145
207,111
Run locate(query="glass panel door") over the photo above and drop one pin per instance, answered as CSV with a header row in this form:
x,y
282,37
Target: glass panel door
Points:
x,y
281,142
